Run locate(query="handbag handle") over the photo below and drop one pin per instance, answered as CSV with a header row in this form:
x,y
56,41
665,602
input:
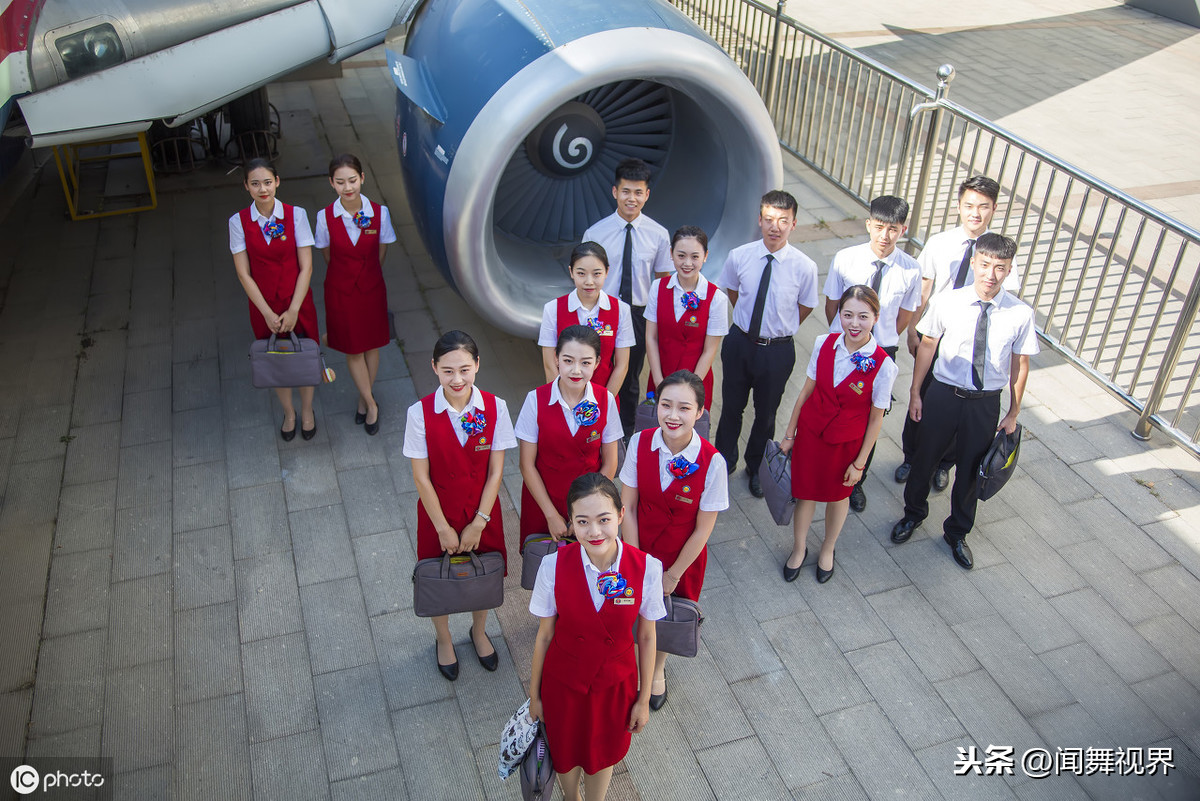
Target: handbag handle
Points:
x,y
667,604
271,347
475,563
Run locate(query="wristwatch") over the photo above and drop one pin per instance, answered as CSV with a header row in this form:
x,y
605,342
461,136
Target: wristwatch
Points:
x,y
486,518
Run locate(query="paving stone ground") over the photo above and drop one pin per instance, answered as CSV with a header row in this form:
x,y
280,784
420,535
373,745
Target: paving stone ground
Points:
x,y
229,616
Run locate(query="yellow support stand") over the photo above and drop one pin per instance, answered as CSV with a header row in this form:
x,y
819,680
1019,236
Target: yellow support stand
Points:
x,y
69,161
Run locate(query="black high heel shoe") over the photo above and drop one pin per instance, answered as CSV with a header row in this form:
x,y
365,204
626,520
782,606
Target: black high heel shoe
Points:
x,y
790,573
449,672
490,662
824,575
288,436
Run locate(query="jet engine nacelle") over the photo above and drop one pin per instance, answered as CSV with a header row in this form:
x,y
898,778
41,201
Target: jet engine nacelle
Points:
x,y
511,117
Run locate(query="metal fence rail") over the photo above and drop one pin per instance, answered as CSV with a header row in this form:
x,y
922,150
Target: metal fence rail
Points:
x,y
1115,283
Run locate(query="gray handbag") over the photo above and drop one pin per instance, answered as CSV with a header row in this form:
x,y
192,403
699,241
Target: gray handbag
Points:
x,y
647,417
443,585
775,475
286,362
537,769
679,632
537,548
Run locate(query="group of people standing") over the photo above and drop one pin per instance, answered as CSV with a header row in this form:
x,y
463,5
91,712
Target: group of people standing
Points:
x,y
596,672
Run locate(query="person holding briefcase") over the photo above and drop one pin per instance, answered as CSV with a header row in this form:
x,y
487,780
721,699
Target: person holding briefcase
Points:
x,y
271,243
456,438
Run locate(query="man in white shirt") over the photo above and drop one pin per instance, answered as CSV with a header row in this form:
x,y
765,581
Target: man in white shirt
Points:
x,y
946,264
893,274
639,250
984,336
778,285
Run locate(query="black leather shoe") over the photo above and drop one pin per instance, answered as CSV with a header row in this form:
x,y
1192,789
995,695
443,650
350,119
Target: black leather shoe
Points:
x,y
962,554
790,573
941,479
902,472
309,433
755,486
490,662
360,418
824,575
372,428
858,498
657,701
449,672
903,531
287,436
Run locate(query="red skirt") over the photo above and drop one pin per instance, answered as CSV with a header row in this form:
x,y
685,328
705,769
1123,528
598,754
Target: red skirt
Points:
x,y
692,580
587,730
818,467
492,539
357,321
306,321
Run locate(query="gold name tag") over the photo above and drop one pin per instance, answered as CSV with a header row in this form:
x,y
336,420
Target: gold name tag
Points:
x,y
607,332
487,447
681,498
857,386
692,324
371,231
624,601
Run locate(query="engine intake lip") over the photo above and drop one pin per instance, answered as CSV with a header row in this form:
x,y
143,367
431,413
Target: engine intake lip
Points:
x,y
503,284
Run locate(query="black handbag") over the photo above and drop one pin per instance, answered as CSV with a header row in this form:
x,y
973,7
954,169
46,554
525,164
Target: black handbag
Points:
x,y
444,585
679,632
999,462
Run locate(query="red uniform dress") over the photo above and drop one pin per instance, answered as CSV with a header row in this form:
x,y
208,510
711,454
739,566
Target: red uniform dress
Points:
x,y
275,268
608,323
590,676
680,342
833,422
355,295
667,519
458,473
561,458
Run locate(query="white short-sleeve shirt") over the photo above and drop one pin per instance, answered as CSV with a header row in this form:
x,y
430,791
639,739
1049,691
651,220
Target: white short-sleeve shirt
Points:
x,y
718,308
899,286
651,252
302,230
952,317
881,390
548,334
793,284
387,234
714,498
527,421
943,253
543,604
415,446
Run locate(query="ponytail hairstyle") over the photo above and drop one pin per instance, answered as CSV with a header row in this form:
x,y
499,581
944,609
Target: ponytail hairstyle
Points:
x,y
455,340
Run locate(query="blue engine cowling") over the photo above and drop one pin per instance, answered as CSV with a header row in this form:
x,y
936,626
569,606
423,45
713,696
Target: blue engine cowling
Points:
x,y
512,115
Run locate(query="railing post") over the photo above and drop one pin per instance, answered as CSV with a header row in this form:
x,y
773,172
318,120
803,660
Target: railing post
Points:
x,y
1179,337
945,75
772,67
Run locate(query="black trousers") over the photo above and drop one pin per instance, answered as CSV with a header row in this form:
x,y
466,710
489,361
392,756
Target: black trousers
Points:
x,y
870,456
747,366
912,430
970,423
631,392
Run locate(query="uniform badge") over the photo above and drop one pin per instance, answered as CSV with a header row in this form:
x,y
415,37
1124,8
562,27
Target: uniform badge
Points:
x,y
595,435
857,386
483,445
687,488
684,499
692,322
624,601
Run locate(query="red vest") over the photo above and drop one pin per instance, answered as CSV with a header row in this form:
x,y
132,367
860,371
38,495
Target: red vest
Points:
x,y
840,413
667,519
274,266
458,473
610,323
353,267
561,456
594,649
680,342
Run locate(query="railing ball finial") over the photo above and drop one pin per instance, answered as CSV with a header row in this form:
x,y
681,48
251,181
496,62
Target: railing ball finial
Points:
x,y
945,74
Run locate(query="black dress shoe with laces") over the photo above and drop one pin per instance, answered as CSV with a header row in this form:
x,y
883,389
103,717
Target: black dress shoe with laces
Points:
x,y
858,498
901,474
903,530
960,551
941,479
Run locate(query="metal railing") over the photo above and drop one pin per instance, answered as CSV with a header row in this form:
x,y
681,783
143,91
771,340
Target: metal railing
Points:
x,y
1115,283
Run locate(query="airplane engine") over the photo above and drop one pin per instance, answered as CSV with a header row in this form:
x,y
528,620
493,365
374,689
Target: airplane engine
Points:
x,y
511,116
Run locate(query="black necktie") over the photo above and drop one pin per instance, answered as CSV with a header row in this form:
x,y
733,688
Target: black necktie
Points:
x,y
626,291
964,266
877,278
760,300
979,356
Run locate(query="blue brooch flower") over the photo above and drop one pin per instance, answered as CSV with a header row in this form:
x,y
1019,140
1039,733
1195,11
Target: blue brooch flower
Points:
x,y
862,361
611,584
586,413
681,467
595,324
690,300
473,422
274,229
362,220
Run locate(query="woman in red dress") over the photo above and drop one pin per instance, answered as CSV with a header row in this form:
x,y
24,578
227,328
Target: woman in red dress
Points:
x,y
353,234
566,428
674,483
456,437
835,423
271,243
594,599
686,316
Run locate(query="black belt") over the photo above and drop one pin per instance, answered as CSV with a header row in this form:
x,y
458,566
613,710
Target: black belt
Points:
x,y
971,394
762,340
